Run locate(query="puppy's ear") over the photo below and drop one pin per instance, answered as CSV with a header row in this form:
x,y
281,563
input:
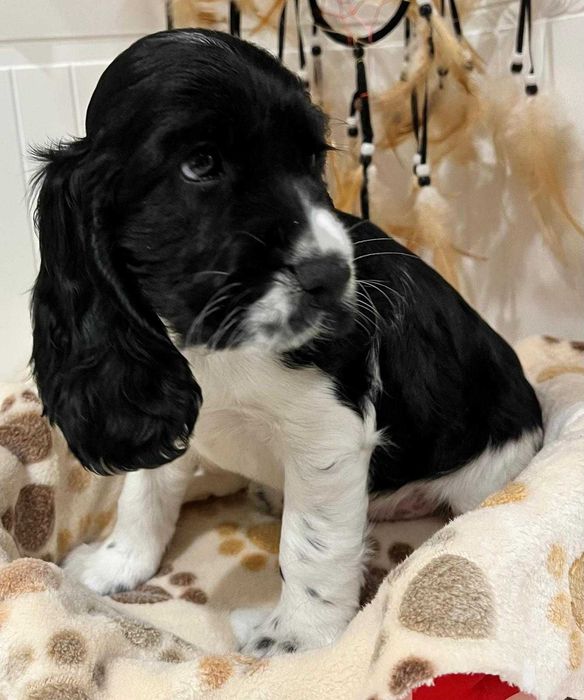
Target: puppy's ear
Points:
x,y
107,372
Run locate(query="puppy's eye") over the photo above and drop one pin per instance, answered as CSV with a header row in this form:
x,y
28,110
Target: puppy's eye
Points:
x,y
204,164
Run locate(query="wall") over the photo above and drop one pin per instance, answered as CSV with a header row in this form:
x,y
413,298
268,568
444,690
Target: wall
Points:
x,y
51,54
53,51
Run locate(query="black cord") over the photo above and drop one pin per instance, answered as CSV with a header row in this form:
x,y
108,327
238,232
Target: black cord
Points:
x,y
455,19
169,17
347,40
282,32
234,19
301,53
316,51
517,64
524,21
361,98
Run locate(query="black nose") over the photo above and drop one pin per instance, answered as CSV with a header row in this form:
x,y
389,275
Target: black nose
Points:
x,y
324,278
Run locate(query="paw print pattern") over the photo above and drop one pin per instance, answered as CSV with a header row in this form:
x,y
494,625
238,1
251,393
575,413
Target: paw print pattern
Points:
x,y
255,544
181,585
566,608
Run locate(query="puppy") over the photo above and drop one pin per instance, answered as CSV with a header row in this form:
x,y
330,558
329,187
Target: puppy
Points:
x,y
197,285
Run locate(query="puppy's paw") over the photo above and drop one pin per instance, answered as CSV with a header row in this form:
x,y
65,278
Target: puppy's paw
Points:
x,y
270,635
110,567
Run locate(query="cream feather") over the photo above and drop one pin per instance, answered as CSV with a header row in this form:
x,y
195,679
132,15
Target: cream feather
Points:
x,y
539,148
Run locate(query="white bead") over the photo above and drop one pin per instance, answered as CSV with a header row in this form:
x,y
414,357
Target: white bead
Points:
x,y
352,121
417,159
371,172
423,170
530,79
367,149
517,57
421,3
303,75
315,43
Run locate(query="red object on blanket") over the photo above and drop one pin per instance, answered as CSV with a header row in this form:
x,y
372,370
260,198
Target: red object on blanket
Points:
x,y
474,686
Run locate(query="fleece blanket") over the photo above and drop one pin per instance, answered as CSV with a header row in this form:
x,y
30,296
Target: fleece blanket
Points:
x,y
497,592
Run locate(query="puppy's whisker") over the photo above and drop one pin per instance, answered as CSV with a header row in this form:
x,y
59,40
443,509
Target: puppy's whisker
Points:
x,y
211,305
385,252
210,272
354,227
228,322
364,319
379,286
373,240
362,307
358,316
367,302
251,235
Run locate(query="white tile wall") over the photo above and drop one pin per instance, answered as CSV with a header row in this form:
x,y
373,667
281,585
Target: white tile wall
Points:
x,y
53,51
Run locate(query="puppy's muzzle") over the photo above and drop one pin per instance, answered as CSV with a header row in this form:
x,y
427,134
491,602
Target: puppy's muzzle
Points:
x,y
324,279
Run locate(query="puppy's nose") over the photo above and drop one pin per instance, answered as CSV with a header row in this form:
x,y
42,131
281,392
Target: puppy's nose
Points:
x,y
324,277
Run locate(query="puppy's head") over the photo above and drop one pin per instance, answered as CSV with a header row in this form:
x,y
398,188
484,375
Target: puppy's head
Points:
x,y
195,205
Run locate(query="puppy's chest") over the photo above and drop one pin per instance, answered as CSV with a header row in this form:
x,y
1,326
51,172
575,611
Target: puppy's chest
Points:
x,y
256,410
251,384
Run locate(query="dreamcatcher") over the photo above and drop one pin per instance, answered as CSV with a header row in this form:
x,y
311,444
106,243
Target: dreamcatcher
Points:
x,y
439,102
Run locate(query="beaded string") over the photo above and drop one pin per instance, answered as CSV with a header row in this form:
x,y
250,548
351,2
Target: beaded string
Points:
x,y
282,39
517,65
360,100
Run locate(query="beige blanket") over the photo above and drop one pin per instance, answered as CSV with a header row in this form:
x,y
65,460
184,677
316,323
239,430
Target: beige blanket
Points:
x,y
499,590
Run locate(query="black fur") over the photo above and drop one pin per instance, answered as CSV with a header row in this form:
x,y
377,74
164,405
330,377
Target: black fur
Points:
x,y
450,385
128,239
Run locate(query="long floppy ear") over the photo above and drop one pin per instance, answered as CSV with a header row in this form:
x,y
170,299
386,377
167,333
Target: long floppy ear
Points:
x,y
106,370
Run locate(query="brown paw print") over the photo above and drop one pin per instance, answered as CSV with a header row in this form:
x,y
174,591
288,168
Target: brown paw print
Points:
x,y
255,543
566,608
181,584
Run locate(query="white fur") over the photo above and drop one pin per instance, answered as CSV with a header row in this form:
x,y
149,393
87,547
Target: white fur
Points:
x,y
463,489
267,321
274,425
329,234
284,428
148,509
325,234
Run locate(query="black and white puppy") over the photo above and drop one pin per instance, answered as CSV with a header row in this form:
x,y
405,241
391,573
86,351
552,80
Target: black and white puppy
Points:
x,y
197,285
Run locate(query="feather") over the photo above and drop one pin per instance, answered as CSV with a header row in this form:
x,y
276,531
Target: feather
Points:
x,y
456,117
432,221
394,105
346,180
539,149
267,18
454,54
197,13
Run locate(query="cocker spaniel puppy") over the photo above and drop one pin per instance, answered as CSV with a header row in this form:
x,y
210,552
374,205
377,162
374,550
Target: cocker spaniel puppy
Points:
x,y
197,285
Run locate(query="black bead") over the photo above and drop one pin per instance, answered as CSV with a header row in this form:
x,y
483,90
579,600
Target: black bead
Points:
x,y
426,9
316,50
516,67
353,131
424,181
531,89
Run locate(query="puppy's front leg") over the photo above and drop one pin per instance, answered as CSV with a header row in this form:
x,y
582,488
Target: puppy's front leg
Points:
x,y
321,550
148,509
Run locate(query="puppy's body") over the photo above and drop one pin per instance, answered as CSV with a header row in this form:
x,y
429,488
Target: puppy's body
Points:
x,y
314,353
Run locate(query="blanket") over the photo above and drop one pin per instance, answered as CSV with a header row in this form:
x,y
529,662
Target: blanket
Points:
x,y
498,591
